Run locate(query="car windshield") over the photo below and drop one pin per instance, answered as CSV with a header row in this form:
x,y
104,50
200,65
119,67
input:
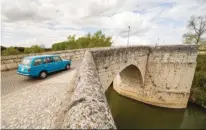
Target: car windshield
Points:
x,y
26,61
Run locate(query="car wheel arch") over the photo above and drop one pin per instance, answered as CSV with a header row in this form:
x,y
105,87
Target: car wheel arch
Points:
x,y
43,71
66,65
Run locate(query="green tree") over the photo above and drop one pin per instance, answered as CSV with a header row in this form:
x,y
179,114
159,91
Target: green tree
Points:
x,y
87,41
99,40
197,29
55,47
84,41
72,43
10,51
26,50
33,49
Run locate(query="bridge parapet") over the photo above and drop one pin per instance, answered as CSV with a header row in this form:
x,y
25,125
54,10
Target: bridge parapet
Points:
x,y
89,108
173,54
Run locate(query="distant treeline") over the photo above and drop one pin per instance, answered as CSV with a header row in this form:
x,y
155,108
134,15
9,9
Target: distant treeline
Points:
x,y
98,39
88,41
22,50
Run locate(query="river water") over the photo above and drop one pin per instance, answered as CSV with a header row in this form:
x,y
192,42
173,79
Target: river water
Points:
x,y
131,114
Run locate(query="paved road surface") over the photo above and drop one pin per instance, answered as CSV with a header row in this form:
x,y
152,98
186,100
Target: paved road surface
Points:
x,y
40,105
11,81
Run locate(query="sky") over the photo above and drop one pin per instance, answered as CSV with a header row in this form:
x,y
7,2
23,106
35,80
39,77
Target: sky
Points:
x,y
44,22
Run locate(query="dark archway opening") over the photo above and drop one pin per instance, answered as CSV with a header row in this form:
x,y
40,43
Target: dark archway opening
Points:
x,y
130,77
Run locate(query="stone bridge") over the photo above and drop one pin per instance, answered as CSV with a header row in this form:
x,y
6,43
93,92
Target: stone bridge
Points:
x,y
157,75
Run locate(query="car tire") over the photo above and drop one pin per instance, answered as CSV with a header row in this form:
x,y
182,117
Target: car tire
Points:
x,y
67,67
43,75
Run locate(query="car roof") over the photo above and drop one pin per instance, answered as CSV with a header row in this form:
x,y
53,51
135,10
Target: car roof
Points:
x,y
39,56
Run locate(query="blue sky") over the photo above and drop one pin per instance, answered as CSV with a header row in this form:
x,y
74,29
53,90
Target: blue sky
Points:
x,y
27,22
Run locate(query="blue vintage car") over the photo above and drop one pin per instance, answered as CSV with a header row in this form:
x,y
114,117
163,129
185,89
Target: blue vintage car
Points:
x,y
40,66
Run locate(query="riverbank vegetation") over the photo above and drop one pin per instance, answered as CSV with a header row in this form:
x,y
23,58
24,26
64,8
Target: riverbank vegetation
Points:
x,y
195,35
198,90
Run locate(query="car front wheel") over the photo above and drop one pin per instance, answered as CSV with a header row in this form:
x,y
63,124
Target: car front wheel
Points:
x,y
43,75
68,67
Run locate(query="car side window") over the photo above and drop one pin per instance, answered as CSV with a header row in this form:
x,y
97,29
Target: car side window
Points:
x,y
47,60
37,62
56,59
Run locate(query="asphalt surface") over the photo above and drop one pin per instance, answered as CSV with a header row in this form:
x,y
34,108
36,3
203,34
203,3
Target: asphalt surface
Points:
x,y
12,82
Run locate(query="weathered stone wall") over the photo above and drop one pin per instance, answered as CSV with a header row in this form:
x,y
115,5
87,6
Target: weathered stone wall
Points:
x,y
11,62
111,61
89,108
170,73
168,77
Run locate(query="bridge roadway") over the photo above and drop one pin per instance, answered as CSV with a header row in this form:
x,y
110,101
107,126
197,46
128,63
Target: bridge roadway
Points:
x,y
35,103
11,81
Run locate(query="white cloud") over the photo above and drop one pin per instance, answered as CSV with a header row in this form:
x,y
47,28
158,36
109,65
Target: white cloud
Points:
x,y
27,22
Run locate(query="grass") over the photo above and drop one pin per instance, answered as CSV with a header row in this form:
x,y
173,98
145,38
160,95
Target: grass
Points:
x,y
198,90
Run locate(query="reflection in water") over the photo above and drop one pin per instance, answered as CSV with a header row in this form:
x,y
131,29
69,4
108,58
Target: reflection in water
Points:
x,y
128,113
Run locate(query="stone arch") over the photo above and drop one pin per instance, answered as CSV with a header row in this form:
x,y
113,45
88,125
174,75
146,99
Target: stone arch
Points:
x,y
124,71
129,78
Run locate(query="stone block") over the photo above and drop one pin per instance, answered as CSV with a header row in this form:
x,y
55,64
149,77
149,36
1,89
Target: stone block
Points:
x,y
62,54
32,54
17,60
101,70
3,67
8,61
69,54
77,53
12,66
82,51
7,57
77,57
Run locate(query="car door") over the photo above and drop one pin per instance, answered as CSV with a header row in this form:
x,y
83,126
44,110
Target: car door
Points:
x,y
37,67
58,63
49,64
